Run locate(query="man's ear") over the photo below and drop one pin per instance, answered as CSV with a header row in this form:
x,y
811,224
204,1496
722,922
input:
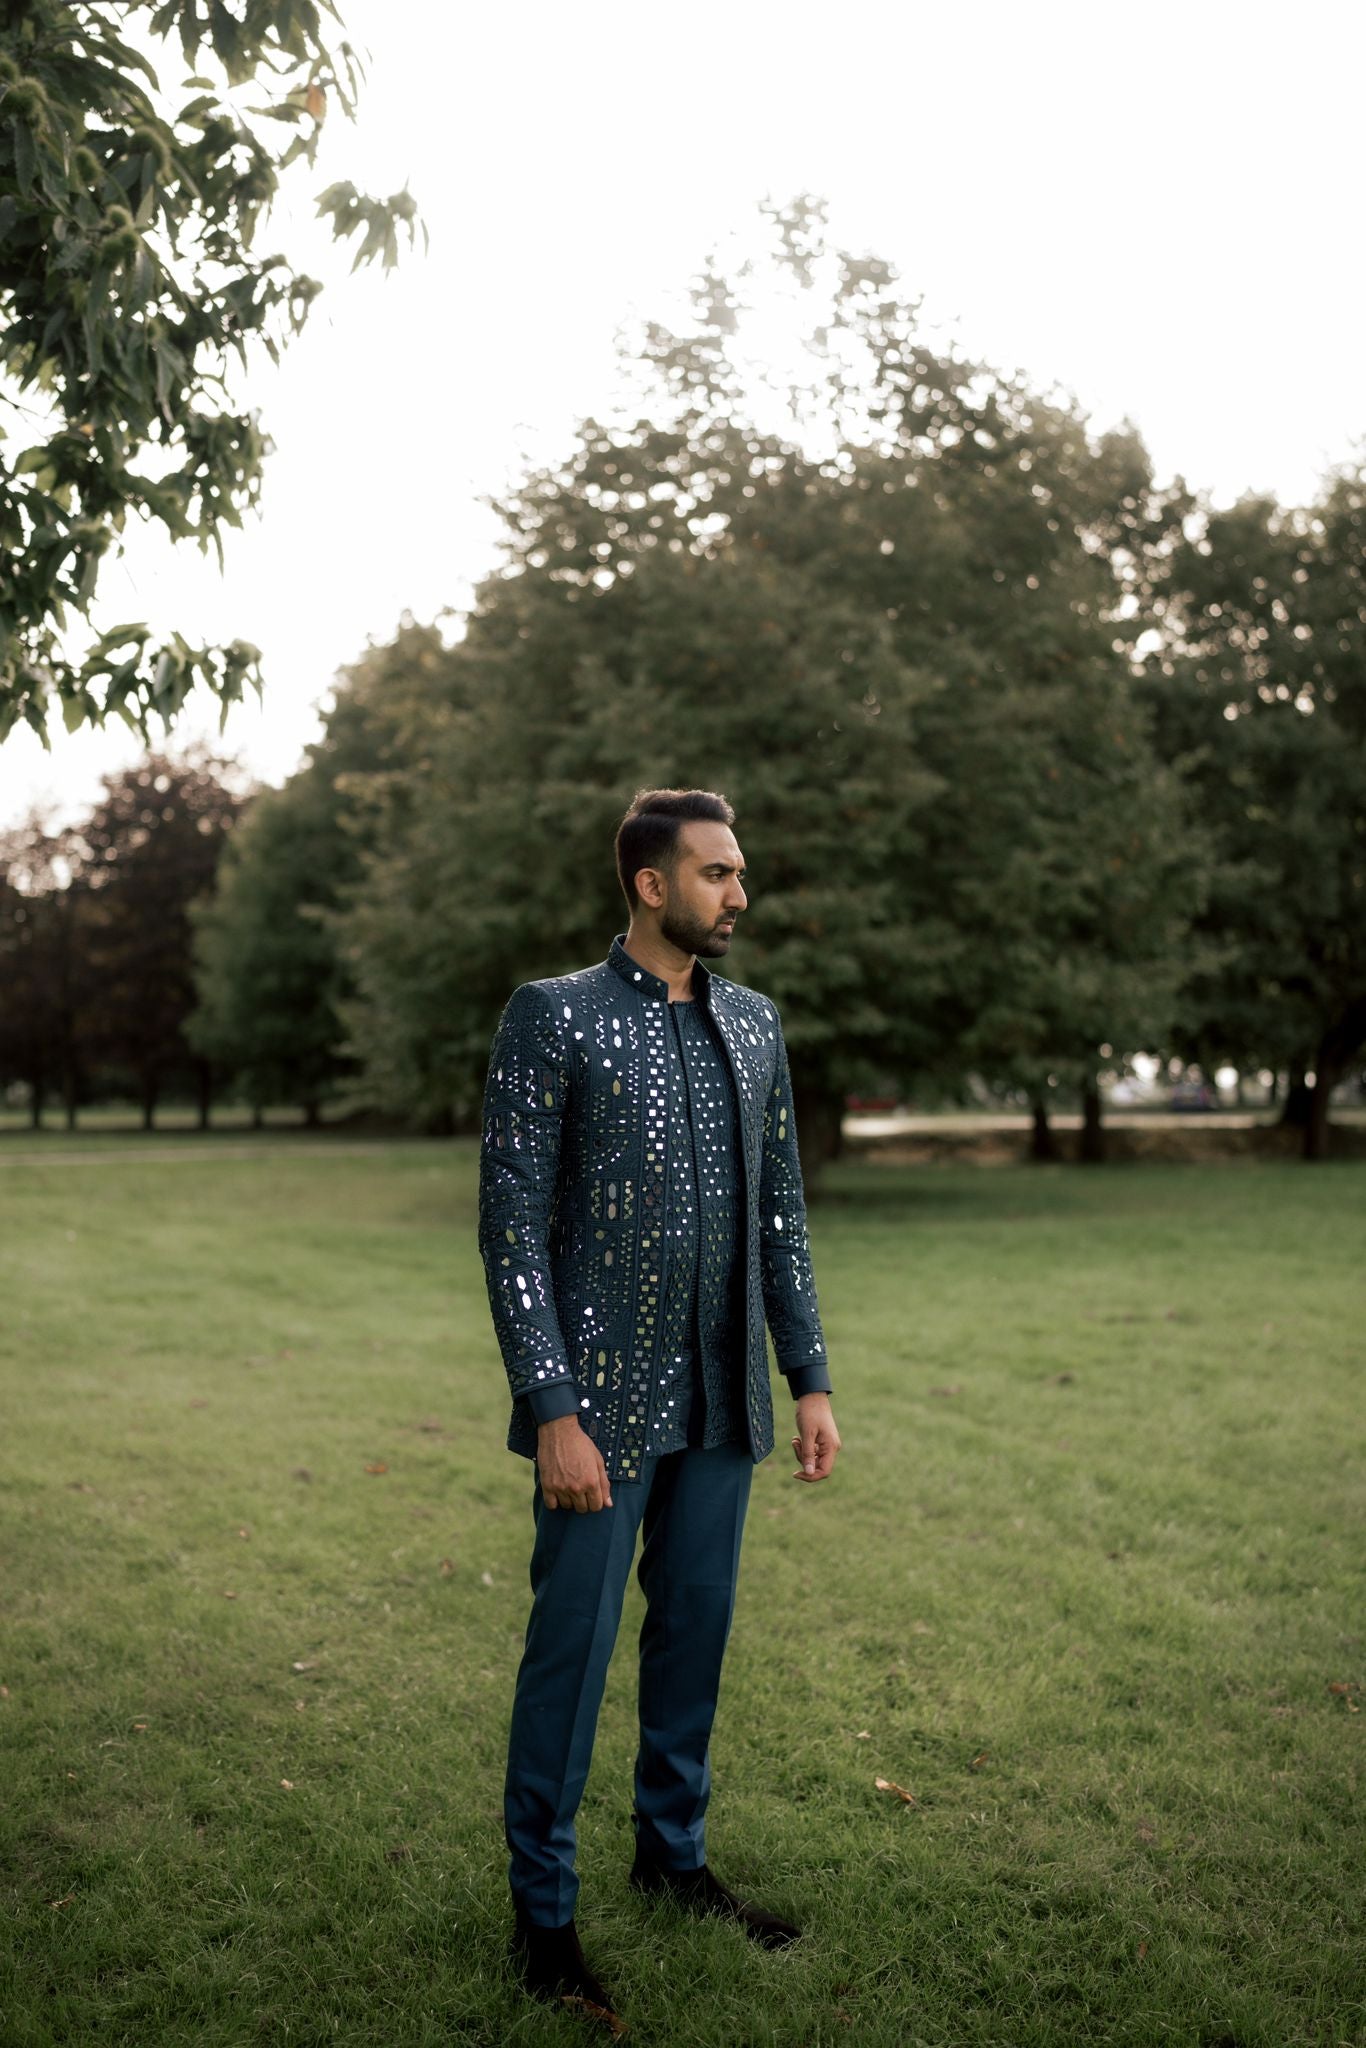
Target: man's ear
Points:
x,y
649,887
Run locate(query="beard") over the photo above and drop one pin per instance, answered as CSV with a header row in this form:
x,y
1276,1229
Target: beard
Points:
x,y
692,934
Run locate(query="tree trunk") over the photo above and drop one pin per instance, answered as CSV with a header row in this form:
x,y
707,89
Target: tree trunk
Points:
x,y
820,1127
1317,1129
1092,1149
312,1116
258,1117
1043,1146
1273,1093
204,1077
35,1106
149,1105
1296,1110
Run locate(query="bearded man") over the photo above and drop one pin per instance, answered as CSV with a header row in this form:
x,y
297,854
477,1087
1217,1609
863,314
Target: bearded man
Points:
x,y
641,1217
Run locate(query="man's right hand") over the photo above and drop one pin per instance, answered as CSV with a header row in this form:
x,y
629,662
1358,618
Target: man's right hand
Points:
x,y
571,1467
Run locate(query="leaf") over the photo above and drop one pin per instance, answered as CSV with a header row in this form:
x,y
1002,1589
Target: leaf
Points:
x,y
897,1791
316,101
378,1467
445,1567
288,1784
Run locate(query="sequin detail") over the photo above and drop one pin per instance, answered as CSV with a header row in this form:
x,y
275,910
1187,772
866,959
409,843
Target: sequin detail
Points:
x,y
589,1160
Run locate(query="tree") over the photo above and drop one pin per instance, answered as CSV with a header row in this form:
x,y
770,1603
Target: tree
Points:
x,y
148,849
129,283
902,654
40,968
271,976
1260,691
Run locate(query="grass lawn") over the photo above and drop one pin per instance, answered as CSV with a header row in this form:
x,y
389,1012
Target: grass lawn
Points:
x,y
1090,1582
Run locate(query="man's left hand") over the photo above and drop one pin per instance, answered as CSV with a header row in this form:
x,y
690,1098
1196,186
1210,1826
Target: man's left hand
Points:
x,y
818,1443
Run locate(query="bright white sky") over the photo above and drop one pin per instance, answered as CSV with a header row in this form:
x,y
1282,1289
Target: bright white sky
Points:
x,y
1157,208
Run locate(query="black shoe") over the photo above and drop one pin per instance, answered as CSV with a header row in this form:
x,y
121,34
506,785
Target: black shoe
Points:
x,y
700,1892
553,1968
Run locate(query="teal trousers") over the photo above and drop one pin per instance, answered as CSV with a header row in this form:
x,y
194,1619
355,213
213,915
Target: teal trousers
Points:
x,y
689,1505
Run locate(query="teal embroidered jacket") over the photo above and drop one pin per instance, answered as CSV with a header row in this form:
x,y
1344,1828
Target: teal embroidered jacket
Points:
x,y
575,1229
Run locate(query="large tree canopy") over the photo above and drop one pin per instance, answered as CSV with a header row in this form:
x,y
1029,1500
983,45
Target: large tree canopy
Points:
x,y
901,645
130,281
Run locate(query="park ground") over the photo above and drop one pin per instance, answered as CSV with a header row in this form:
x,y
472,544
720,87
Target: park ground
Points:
x,y
1088,1586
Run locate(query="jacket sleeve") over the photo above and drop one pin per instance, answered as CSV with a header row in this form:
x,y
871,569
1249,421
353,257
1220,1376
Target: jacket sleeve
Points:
x,y
525,1100
784,1252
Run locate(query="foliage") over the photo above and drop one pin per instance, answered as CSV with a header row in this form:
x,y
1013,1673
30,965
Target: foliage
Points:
x,y
1260,693
149,847
271,977
42,986
129,284
904,658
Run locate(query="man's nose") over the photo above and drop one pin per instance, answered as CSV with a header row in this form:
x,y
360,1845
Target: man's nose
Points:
x,y
737,898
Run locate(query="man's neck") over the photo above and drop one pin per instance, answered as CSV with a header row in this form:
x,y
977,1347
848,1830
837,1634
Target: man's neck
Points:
x,y
659,958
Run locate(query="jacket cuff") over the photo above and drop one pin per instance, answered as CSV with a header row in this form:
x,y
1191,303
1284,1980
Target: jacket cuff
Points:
x,y
561,1397
807,1379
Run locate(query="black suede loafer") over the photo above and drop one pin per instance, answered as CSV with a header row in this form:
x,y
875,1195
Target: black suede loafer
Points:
x,y
699,1892
553,1968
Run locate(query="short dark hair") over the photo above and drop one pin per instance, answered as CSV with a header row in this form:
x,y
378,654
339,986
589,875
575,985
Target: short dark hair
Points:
x,y
647,836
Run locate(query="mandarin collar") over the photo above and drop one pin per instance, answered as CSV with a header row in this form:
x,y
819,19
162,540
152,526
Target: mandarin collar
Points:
x,y
639,977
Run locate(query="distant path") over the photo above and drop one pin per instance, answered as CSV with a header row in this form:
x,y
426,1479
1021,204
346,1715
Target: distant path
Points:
x,y
125,1147
118,1151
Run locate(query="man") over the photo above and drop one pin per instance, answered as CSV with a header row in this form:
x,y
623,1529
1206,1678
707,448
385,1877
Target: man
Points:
x,y
640,1216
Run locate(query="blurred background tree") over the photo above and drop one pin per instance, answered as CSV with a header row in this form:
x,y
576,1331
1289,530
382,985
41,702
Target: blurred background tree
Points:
x,y
1037,765
147,850
1259,686
129,283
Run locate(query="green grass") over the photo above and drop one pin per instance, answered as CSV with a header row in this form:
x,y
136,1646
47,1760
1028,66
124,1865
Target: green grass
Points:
x,y
1089,1568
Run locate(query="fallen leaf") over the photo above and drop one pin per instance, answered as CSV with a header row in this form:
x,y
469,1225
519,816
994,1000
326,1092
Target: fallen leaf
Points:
x,y
299,1706
946,1390
378,1466
72,1776
79,1486
615,2025
4,1692
1341,1685
1064,1379
1146,1831
400,1853
142,1725
244,1532
486,1578
900,1792
199,1402
863,1735
288,1784
229,1596
54,1903
975,1763
301,1472
304,1664
445,1567
1142,1950
431,1427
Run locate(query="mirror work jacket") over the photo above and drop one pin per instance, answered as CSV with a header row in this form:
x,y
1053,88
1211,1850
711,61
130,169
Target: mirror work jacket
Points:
x,y
574,1229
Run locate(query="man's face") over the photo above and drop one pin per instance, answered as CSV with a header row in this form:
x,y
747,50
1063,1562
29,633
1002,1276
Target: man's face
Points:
x,y
703,896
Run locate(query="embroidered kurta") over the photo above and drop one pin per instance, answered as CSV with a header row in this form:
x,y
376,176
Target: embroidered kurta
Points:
x,y
589,1152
